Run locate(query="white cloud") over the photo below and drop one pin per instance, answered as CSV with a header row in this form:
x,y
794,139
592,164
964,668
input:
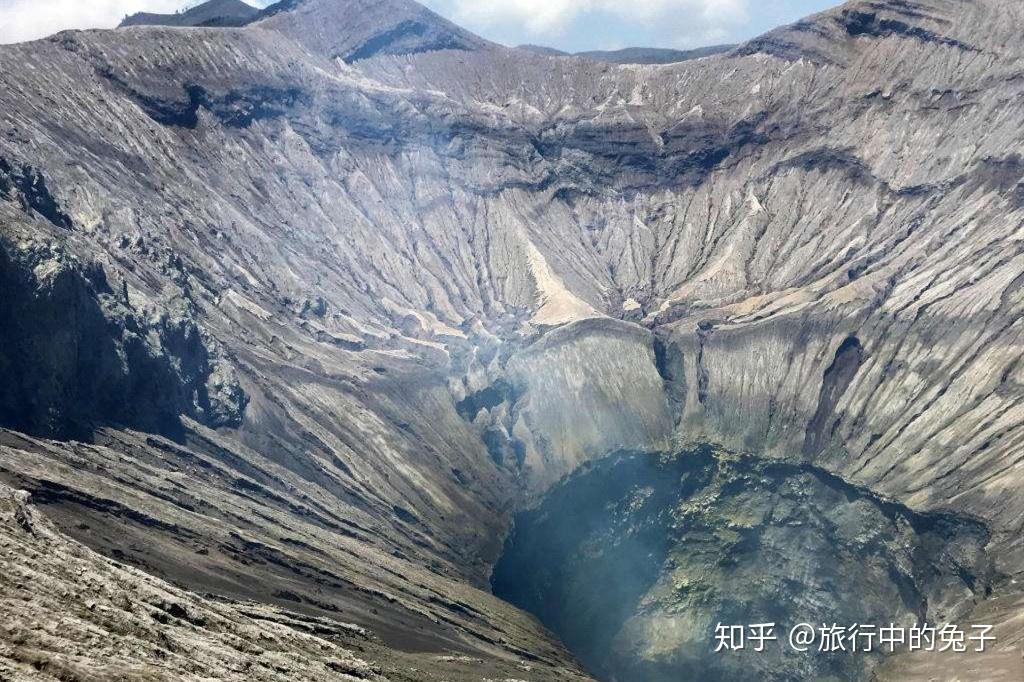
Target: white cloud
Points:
x,y
552,18
22,20
30,19
592,22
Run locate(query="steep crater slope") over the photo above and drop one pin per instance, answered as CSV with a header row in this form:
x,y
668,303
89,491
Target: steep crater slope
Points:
x,y
444,279
73,351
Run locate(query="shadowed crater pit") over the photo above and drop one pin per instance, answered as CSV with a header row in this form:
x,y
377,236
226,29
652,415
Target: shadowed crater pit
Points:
x,y
634,560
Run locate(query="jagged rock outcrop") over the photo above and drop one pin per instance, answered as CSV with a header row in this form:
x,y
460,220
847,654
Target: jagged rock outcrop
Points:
x,y
392,284
75,352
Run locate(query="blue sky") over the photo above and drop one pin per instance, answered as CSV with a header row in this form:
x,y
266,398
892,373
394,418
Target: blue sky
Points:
x,y
577,25
571,25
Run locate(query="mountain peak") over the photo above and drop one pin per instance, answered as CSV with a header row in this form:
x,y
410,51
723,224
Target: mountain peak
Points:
x,y
359,29
211,13
829,35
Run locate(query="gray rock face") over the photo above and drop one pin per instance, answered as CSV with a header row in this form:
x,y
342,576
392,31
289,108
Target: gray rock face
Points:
x,y
560,419
390,299
73,352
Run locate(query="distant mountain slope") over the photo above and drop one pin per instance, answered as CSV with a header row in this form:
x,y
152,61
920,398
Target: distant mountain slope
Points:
x,y
632,55
828,37
652,55
212,13
544,50
361,29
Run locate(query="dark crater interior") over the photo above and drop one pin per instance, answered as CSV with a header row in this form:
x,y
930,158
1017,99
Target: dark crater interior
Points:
x,y
634,561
